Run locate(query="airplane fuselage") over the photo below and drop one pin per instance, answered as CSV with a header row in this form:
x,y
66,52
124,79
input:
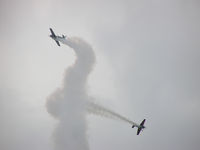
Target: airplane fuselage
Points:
x,y
57,37
138,126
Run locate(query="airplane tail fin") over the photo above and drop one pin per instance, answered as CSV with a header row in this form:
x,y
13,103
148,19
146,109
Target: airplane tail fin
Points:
x,y
141,127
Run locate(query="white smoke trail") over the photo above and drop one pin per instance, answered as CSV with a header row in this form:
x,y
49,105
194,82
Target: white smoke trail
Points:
x,y
68,103
102,111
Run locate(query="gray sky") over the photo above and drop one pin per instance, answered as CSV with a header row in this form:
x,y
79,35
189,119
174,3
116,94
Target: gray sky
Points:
x,y
147,67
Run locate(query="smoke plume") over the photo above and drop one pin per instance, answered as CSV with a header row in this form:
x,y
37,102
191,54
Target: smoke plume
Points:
x,y
99,110
68,103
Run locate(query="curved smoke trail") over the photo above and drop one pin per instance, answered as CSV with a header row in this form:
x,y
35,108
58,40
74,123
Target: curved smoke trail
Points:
x,y
68,103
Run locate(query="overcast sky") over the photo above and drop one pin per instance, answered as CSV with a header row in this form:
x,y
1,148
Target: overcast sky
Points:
x,y
148,57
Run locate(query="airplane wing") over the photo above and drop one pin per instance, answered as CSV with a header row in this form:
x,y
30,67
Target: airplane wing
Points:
x,y
138,131
58,43
143,122
52,32
141,127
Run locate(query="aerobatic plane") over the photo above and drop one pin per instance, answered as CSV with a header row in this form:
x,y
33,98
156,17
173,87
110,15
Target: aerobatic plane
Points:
x,y
56,38
140,127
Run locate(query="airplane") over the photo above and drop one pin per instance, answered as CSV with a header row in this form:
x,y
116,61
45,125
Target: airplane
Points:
x,y
140,127
56,38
